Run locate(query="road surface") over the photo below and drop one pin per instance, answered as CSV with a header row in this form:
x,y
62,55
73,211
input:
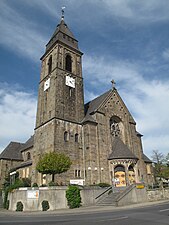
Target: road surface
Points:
x,y
148,215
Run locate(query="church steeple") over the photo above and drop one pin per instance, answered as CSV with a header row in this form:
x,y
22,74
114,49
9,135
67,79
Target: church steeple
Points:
x,y
63,35
61,82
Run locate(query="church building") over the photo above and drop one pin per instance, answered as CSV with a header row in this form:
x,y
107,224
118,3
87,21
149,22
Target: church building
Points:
x,y
100,137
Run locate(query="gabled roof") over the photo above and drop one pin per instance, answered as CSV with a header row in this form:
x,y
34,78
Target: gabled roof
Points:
x,y
29,144
120,150
64,35
93,105
12,152
89,118
146,159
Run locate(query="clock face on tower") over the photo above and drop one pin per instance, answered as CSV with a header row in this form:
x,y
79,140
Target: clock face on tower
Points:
x,y
70,81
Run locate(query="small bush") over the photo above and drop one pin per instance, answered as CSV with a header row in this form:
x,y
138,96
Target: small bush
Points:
x,y
43,185
19,206
26,182
5,198
73,197
51,183
103,185
7,204
34,185
45,205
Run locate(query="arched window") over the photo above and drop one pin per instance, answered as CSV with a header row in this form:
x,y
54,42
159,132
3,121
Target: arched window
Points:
x,y
77,173
28,156
119,168
65,136
50,65
131,168
131,174
76,137
68,63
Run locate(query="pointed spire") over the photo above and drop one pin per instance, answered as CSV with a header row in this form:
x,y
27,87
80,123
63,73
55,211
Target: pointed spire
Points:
x,y
63,35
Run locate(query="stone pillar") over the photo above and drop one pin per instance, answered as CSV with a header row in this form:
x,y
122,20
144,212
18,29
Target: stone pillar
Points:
x,y
127,174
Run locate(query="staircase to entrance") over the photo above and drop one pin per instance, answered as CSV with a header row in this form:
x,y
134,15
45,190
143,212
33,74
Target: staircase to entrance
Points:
x,y
112,195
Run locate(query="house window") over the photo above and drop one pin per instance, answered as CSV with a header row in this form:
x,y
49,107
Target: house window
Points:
x,y
77,173
50,65
27,172
76,137
28,156
68,65
65,136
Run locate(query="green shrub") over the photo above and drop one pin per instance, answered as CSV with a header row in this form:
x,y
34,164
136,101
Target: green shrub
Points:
x,y
43,185
18,183
73,197
26,182
7,204
45,205
5,198
103,185
51,183
19,206
34,185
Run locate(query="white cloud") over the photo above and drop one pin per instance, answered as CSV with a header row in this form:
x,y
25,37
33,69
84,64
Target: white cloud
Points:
x,y
19,34
146,99
17,110
45,6
138,11
165,54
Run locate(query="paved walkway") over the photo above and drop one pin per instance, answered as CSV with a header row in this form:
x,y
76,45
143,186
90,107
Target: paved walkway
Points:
x,y
83,209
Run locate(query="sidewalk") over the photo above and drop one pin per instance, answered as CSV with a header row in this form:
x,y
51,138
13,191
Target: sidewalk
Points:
x,y
81,210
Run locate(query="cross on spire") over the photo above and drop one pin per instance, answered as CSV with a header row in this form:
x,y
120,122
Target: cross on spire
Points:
x,y
63,12
113,84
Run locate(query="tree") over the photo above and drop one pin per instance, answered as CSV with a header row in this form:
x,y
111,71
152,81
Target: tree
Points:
x,y
167,159
158,159
53,163
161,168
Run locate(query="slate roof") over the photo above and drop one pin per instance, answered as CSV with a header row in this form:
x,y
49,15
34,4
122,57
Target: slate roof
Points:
x,y
61,30
24,164
29,144
12,151
93,105
120,150
146,159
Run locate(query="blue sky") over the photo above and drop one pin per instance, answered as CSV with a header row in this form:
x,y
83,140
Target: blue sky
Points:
x,y
124,40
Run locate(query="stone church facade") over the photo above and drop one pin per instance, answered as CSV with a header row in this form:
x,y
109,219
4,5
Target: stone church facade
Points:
x,y
100,136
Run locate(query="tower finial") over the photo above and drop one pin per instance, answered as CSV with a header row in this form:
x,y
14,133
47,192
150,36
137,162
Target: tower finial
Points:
x,y
113,84
63,12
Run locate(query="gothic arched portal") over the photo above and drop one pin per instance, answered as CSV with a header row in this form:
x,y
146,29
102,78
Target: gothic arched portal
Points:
x,y
120,176
131,174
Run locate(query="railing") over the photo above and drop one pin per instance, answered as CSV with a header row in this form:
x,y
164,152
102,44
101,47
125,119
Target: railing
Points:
x,y
105,191
125,192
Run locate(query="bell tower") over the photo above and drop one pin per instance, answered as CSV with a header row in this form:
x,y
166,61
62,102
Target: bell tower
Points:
x,y
60,107
61,82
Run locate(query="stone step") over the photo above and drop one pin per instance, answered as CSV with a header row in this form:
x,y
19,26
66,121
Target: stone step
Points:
x,y
108,200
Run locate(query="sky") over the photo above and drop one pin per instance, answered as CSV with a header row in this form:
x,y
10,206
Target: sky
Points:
x,y
124,40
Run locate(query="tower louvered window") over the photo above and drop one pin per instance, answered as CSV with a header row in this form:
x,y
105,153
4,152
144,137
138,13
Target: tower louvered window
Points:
x,y
68,65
